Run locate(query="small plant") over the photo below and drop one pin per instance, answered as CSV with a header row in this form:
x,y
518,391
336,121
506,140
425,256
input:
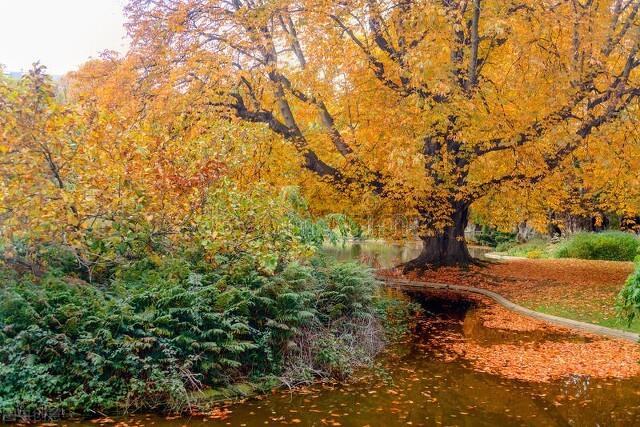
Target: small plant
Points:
x,y
535,254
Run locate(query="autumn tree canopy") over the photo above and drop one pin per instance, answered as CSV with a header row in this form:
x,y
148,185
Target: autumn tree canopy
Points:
x,y
433,103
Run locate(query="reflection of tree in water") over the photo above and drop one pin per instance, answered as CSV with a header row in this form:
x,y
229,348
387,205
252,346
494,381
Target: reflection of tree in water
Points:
x,y
375,254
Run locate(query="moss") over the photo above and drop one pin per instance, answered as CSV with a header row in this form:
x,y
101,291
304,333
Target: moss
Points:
x,y
209,398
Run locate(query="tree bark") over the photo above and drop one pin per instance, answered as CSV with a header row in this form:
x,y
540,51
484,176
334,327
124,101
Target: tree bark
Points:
x,y
447,247
524,232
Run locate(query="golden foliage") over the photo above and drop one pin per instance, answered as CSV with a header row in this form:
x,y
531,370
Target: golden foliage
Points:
x,y
424,102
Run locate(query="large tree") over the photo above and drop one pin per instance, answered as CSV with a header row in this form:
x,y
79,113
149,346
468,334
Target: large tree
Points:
x,y
432,103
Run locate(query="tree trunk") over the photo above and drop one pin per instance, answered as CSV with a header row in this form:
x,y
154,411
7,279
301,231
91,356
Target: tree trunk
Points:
x,y
524,232
446,247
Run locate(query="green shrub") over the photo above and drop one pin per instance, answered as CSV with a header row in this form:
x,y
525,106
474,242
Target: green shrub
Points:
x,y
505,246
347,290
629,297
165,328
609,245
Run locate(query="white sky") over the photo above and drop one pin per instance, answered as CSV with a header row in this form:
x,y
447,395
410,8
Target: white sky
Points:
x,y
62,34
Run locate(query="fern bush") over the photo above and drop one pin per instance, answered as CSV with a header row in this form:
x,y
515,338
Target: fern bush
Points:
x,y
163,329
157,320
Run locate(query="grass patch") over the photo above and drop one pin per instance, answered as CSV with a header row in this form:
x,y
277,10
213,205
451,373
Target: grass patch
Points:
x,y
605,246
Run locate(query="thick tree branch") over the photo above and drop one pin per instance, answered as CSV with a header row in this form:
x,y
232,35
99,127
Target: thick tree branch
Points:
x,y
326,118
539,128
311,160
614,38
475,41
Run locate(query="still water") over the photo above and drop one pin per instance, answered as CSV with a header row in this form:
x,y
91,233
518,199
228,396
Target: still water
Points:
x,y
416,383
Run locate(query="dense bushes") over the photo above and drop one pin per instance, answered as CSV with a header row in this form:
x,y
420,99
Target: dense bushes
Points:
x,y
141,263
164,329
491,237
609,245
137,316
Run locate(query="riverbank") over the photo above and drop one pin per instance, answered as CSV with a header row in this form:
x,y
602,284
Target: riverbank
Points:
x,y
172,337
581,290
562,322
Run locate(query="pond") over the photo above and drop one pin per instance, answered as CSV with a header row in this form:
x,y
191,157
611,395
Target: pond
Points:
x,y
417,383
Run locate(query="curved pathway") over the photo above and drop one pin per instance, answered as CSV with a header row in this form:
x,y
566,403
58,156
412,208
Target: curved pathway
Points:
x,y
556,320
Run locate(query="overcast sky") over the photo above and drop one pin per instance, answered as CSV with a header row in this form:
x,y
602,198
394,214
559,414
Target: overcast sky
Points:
x,y
61,34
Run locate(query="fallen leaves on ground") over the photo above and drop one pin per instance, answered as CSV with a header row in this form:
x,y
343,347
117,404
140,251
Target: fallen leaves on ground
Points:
x,y
497,317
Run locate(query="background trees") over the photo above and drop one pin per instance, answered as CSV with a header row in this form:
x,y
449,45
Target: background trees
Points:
x,y
428,104
597,188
